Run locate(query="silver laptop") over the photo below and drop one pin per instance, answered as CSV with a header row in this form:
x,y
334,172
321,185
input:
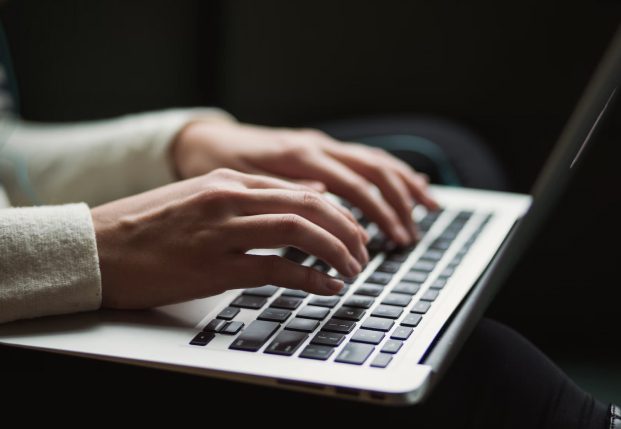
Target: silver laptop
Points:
x,y
388,336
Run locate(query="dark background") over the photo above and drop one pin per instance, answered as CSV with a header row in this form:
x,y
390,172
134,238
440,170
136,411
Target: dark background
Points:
x,y
511,72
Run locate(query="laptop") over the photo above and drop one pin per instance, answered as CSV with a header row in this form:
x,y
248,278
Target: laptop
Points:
x,y
388,336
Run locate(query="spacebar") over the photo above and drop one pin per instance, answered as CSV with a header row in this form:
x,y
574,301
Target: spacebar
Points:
x,y
255,335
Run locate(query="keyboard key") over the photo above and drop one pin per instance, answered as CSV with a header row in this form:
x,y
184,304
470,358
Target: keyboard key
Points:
x,y
320,265
401,333
202,338
295,255
343,290
355,353
381,360
254,336
387,311
316,351
325,301
232,328
392,346
379,278
425,266
421,307
398,299
286,302
296,293
274,315
286,343
438,283
331,339
389,267
302,325
411,320
359,301
367,336
266,291
440,244
430,295
341,326
398,256
407,288
228,313
415,277
312,312
369,290
249,301
447,272
349,313
215,325
378,324
432,255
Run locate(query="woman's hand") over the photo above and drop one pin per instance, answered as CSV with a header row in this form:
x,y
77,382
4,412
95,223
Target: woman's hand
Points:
x,y
347,170
189,240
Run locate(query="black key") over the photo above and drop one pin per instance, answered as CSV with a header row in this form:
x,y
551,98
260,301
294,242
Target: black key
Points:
x,y
379,243
411,320
343,290
215,325
392,346
287,302
316,351
359,301
320,265
337,325
398,256
325,301
266,291
302,325
347,280
387,311
232,328
355,353
398,299
430,295
295,255
254,336
349,313
438,284
440,244
447,272
286,343
432,255
415,277
378,324
296,293
421,307
381,360
274,315
454,263
425,266
379,278
202,339
228,313
249,301
312,312
331,339
401,333
406,287
369,290
389,267
367,336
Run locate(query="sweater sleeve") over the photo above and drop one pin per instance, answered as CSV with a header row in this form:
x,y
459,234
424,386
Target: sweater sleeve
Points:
x,y
48,262
93,162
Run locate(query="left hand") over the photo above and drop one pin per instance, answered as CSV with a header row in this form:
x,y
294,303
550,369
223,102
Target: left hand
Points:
x,y
345,169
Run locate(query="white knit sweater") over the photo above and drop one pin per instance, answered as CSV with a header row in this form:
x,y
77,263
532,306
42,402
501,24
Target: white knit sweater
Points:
x,y
48,254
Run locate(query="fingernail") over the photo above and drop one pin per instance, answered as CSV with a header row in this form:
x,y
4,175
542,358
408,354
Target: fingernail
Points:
x,y
354,267
402,234
334,285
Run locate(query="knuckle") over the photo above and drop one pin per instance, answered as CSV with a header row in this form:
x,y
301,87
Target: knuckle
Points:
x,y
224,172
291,224
311,200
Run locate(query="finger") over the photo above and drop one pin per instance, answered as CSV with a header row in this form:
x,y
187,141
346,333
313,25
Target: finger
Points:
x,y
257,181
341,180
271,231
312,206
255,270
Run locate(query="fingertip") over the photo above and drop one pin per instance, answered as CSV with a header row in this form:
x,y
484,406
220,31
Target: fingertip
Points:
x,y
334,285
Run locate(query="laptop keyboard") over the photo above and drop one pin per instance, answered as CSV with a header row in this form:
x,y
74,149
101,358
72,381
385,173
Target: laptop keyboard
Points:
x,y
361,319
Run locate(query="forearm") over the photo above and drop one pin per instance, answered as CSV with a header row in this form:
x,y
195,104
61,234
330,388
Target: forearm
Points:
x,y
94,162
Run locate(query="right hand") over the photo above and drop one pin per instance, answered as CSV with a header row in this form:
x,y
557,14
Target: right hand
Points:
x,y
189,239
